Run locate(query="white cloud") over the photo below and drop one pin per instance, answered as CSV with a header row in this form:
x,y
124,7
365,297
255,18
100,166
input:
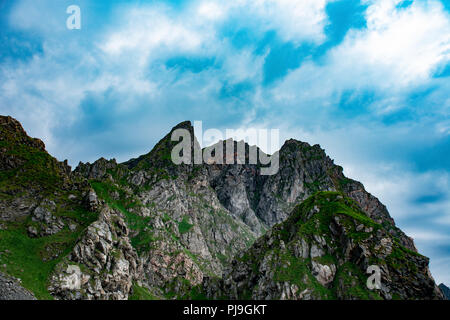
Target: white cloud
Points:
x,y
394,56
241,66
212,10
151,30
44,17
294,20
399,47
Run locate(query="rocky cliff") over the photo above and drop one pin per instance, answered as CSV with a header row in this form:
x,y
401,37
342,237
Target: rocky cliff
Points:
x,y
11,289
323,251
150,229
445,290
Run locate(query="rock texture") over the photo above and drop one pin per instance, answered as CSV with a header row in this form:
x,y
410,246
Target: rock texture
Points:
x,y
102,265
179,226
108,230
10,289
445,291
304,170
323,251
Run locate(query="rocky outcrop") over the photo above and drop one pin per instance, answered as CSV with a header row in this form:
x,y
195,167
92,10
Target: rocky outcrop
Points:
x,y
324,251
103,264
45,222
29,174
13,131
178,226
11,289
100,169
445,291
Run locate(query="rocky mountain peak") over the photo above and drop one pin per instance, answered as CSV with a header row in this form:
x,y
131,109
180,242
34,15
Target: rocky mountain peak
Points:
x,y
11,131
183,125
263,201
151,228
11,124
160,155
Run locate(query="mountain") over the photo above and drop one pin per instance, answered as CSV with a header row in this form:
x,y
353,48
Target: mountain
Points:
x,y
150,229
445,290
322,251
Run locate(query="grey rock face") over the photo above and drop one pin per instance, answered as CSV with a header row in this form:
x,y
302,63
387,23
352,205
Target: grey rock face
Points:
x,y
445,290
263,201
11,289
47,223
232,185
102,265
210,238
302,259
97,170
18,208
92,201
188,232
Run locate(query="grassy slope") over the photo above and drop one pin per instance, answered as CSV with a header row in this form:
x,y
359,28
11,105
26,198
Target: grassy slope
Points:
x,y
33,259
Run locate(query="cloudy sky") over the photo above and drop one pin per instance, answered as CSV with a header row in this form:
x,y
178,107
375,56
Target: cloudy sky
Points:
x,y
368,80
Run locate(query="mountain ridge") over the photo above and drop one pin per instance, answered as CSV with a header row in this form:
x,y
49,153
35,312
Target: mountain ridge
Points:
x,y
110,230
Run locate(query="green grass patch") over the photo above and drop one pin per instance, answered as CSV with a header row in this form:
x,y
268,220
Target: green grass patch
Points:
x,y
184,226
296,271
354,283
24,256
141,293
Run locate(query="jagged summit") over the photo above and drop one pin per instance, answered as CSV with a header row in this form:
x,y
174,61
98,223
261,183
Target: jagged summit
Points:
x,y
12,131
26,167
304,169
161,151
183,125
160,155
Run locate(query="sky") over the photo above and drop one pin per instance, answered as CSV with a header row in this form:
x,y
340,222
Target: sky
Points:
x,y
368,80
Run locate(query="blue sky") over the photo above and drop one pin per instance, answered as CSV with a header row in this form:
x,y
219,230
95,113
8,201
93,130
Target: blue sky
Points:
x,y
367,80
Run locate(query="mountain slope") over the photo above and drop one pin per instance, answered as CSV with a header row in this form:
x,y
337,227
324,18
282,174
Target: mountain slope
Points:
x,y
304,170
150,229
42,208
177,224
322,251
